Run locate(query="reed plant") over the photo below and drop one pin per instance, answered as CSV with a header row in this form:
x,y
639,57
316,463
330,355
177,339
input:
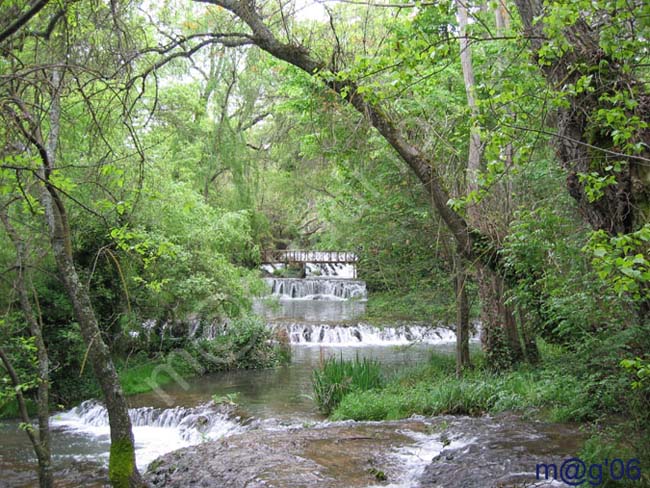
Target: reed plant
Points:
x,y
336,377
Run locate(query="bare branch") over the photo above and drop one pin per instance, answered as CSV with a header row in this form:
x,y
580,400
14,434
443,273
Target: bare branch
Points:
x,y
228,40
23,20
244,127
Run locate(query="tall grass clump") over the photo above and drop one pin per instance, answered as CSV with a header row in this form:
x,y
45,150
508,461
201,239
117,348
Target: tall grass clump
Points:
x,y
433,389
337,377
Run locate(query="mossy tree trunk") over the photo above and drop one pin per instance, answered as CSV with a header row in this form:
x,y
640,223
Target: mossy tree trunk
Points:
x,y
462,318
603,125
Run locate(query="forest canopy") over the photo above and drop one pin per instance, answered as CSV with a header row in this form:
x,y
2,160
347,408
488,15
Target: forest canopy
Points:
x,y
485,160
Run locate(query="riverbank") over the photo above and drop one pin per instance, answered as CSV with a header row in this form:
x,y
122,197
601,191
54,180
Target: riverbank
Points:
x,y
423,427
248,345
557,390
432,388
417,306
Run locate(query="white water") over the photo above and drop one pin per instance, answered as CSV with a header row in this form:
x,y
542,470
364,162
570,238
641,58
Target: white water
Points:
x,y
270,268
311,295
364,335
156,431
317,288
411,460
330,270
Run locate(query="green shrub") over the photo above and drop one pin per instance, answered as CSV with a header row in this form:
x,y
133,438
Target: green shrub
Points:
x,y
613,443
9,408
451,396
338,377
246,343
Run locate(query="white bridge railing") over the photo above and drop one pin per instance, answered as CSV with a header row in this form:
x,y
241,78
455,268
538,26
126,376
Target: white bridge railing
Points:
x,y
290,256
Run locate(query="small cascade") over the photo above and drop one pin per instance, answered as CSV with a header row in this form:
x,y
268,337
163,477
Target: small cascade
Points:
x,y
271,268
331,270
317,288
156,430
327,270
365,335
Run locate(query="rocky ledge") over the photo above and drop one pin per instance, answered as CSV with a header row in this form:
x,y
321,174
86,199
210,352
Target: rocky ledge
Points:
x,y
447,451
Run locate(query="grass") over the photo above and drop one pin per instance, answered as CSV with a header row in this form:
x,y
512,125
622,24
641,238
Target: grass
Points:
x,y
336,378
423,304
143,377
418,306
248,345
433,389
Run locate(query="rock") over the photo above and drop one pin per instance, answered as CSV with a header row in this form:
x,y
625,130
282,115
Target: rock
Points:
x,y
504,453
336,455
441,451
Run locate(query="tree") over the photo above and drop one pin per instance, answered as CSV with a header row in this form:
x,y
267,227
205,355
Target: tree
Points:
x,y
592,54
472,244
33,89
594,57
40,442
502,340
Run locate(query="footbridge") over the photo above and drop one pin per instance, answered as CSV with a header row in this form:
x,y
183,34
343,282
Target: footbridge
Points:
x,y
339,264
274,256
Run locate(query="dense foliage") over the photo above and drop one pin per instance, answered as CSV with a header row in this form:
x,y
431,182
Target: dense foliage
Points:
x,y
148,153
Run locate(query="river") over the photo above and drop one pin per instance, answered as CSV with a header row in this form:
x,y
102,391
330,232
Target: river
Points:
x,y
319,324
275,409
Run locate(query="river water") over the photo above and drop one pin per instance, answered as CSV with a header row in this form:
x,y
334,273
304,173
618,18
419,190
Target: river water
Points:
x,y
293,445
279,396
319,316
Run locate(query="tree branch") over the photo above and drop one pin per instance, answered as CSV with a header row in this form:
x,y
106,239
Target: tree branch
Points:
x,y
22,406
22,20
424,168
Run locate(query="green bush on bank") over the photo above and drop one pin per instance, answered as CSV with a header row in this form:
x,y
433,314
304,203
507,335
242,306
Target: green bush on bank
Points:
x,y
245,343
136,378
9,408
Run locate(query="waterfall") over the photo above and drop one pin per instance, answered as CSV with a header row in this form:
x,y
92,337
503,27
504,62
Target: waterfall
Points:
x,y
364,335
320,308
156,430
329,270
317,288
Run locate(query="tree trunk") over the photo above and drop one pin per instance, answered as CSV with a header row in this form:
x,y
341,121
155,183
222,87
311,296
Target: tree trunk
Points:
x,y
42,444
462,318
584,146
501,17
123,471
501,340
531,351
499,326
42,453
